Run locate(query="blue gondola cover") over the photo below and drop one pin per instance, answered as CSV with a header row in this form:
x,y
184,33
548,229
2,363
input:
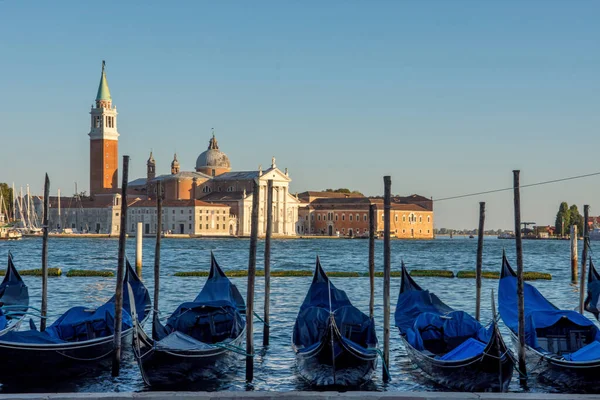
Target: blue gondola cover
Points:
x,y
215,315
357,329
539,312
423,318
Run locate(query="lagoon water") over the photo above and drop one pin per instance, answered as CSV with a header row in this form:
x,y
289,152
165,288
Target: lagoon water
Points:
x,y
275,365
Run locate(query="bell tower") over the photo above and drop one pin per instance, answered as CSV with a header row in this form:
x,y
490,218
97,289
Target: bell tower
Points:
x,y
104,142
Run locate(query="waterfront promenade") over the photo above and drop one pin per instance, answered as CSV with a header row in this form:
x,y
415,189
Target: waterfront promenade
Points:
x,y
298,396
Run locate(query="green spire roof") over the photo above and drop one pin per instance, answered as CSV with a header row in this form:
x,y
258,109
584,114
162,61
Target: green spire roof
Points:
x,y
103,92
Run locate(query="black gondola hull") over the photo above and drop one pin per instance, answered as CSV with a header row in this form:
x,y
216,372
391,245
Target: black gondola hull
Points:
x,y
352,367
164,368
56,362
562,374
483,373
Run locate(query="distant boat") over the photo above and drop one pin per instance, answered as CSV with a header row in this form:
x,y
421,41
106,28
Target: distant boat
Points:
x,y
595,234
506,236
471,236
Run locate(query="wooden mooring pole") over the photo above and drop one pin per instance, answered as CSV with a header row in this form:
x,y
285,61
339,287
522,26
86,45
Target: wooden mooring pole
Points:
x,y
586,242
159,220
479,258
372,222
387,200
251,278
574,263
520,294
138,248
116,364
268,233
44,311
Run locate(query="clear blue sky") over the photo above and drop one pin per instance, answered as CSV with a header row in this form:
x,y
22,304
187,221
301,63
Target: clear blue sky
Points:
x,y
447,97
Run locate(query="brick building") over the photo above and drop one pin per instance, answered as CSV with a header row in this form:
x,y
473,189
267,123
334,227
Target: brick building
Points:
x,y
332,214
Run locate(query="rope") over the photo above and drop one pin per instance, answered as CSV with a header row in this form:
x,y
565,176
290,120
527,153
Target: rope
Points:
x,y
522,186
232,348
387,371
260,319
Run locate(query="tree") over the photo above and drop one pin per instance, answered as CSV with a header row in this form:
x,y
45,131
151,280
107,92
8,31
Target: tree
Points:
x,y
7,196
563,219
344,190
575,218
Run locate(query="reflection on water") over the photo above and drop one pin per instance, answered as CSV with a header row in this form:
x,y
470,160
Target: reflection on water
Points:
x,y
275,366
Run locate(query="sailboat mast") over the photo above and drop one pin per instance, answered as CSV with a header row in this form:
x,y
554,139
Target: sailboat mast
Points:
x,y
14,210
59,221
29,208
23,222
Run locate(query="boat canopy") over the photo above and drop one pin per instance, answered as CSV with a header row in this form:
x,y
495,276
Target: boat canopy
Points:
x,y
356,328
81,324
540,314
429,324
592,301
214,316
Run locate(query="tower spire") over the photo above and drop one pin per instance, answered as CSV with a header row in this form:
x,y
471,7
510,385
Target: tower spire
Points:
x,y
103,95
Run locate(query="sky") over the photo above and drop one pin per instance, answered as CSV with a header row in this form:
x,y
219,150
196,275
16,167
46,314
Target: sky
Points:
x,y
446,97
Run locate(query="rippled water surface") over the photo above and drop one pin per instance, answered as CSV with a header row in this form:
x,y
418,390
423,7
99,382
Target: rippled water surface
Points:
x,y
275,365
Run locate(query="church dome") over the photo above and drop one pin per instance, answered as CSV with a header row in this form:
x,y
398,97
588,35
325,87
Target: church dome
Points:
x,y
212,157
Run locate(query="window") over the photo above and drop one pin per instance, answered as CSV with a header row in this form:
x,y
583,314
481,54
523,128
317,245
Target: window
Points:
x,y
116,214
428,220
206,189
319,217
201,218
420,231
365,217
396,217
219,188
206,226
217,217
403,230
420,218
173,227
200,226
189,219
173,211
357,217
190,226
336,217
190,211
343,217
427,230
404,218
343,230
230,189
182,211
350,217
223,226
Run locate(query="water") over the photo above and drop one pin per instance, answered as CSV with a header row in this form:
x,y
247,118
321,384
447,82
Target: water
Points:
x,y
275,366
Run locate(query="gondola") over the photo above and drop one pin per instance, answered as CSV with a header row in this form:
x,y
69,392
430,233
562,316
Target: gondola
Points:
x,y
592,301
14,299
78,342
451,346
561,346
200,338
334,342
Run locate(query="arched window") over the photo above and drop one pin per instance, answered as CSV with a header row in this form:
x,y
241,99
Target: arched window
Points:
x,y
343,217
357,217
336,217
350,217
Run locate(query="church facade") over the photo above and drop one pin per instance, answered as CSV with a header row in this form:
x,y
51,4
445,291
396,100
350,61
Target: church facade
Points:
x,y
213,181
